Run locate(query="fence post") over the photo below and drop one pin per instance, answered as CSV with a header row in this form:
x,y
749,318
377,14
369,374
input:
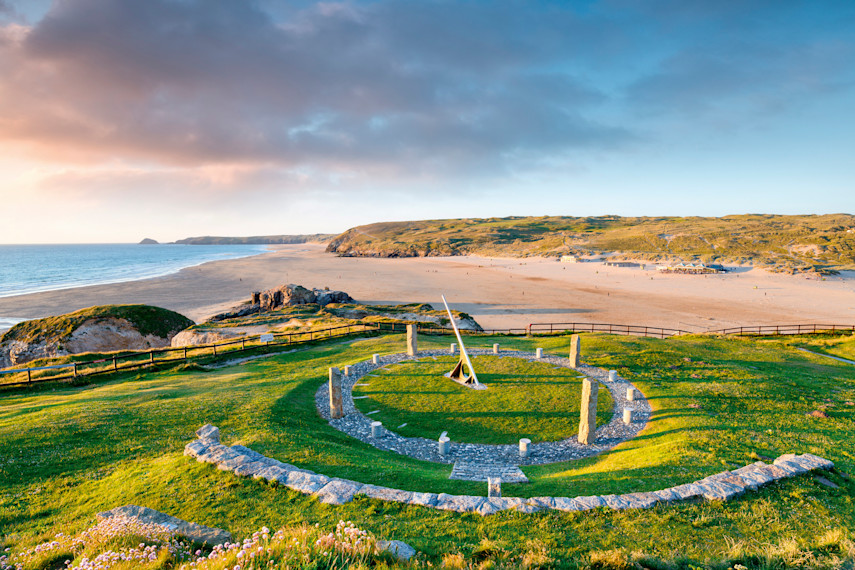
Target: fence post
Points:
x,y
151,357
75,370
115,365
29,377
243,344
215,349
185,353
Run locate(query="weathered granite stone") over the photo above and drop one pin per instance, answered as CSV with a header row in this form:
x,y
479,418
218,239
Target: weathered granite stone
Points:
x,y
775,471
209,432
627,415
524,443
528,508
712,489
495,348
195,447
400,550
487,508
815,461
613,376
195,532
494,487
567,504
792,466
250,469
424,499
687,491
538,353
254,455
575,351
386,494
375,359
590,502
412,341
233,463
306,483
444,444
737,481
753,477
458,503
615,502
640,500
630,394
542,502
588,412
666,495
376,429
336,406
338,491
271,473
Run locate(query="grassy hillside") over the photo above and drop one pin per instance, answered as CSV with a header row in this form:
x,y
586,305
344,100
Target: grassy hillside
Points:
x,y
788,243
146,318
67,453
252,240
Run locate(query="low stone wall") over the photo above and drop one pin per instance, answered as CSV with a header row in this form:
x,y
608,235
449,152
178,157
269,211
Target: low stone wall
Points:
x,y
721,486
195,532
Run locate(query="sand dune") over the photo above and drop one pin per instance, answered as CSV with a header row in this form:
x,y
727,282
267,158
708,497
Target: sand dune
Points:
x,y
499,293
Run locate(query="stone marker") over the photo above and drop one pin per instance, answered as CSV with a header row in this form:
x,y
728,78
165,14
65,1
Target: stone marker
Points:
x,y
375,358
453,348
630,394
494,487
524,447
612,375
412,341
444,445
538,353
588,413
336,408
347,370
627,415
375,429
575,350
496,348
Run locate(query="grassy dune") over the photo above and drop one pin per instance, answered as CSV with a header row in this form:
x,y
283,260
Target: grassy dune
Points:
x,y
68,452
787,243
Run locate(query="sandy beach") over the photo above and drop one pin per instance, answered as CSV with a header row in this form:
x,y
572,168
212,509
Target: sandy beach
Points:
x,y
499,293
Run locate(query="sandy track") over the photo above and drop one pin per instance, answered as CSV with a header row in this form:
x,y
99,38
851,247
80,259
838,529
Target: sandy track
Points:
x,y
499,293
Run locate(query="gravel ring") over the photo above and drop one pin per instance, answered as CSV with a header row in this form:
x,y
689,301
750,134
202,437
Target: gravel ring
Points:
x,y
358,425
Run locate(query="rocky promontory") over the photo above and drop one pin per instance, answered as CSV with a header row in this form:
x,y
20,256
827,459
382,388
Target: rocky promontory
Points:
x,y
97,329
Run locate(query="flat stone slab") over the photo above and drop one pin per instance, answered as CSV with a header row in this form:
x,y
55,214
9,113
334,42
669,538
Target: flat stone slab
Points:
x,y
720,486
468,471
195,532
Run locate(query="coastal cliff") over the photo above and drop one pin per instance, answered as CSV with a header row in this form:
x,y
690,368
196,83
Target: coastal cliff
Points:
x,y
96,329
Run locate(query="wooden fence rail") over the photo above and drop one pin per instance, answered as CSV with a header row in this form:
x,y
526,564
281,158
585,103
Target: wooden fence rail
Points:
x,y
140,359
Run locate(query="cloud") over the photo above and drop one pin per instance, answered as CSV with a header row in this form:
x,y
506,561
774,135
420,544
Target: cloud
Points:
x,y
336,86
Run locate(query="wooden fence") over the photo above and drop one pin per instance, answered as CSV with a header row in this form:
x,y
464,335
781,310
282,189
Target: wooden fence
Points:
x,y
140,359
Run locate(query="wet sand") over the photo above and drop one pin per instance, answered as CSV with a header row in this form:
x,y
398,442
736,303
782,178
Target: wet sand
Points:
x,y
499,293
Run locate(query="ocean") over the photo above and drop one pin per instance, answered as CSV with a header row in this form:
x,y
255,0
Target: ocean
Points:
x,y
37,268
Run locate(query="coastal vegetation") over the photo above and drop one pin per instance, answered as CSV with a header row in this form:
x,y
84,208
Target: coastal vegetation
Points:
x,y
782,243
256,240
68,452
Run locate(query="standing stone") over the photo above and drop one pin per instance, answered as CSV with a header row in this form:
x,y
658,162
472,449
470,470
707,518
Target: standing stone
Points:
x,y
627,415
539,353
444,445
612,375
575,350
588,413
256,298
524,442
496,348
336,408
494,487
453,348
375,358
375,429
412,342
630,394
347,370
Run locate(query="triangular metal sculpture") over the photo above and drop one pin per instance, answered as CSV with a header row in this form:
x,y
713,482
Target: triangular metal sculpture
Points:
x,y
457,374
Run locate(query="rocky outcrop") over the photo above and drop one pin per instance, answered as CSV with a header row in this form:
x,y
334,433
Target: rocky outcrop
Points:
x,y
284,296
93,335
104,328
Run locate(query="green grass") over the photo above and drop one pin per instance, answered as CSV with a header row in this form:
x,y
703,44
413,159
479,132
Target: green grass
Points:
x,y
784,243
69,452
535,400
839,346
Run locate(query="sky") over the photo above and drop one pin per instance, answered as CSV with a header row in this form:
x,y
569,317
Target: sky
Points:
x,y
125,119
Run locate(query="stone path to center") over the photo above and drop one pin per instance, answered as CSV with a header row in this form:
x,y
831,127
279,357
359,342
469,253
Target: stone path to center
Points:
x,y
465,455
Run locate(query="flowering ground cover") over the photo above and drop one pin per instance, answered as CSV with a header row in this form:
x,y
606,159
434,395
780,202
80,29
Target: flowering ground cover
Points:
x,y
68,452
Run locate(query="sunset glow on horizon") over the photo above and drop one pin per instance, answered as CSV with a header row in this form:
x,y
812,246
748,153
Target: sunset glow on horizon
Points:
x,y
172,118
